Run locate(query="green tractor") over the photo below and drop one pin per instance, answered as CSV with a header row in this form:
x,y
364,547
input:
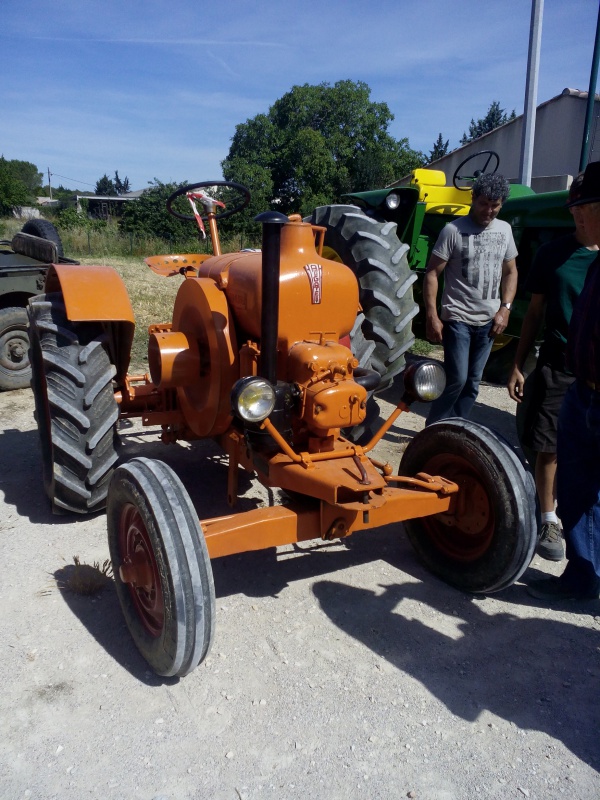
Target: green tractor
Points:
x,y
386,236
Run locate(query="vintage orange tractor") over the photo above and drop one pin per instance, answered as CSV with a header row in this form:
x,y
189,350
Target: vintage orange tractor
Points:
x,y
253,359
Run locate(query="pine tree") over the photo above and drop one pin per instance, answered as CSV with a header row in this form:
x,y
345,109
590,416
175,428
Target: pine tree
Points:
x,y
121,186
495,117
440,148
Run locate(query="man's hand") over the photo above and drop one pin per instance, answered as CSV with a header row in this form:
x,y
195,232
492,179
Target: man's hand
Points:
x,y
434,328
515,384
500,322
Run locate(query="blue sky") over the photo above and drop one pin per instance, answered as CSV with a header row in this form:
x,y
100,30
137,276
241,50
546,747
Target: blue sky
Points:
x,y
155,89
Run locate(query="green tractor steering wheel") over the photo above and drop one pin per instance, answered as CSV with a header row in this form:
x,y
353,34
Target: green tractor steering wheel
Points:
x,y
491,154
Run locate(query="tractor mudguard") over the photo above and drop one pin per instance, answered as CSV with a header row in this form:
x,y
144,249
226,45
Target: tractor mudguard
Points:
x,y
97,294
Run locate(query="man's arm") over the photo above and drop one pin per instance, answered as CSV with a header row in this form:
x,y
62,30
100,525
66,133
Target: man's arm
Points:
x,y
531,325
508,290
433,323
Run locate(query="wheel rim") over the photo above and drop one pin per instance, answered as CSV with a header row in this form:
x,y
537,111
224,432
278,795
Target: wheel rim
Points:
x,y
139,570
465,532
14,345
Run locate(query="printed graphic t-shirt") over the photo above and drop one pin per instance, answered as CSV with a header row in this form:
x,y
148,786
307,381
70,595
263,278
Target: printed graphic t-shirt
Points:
x,y
475,255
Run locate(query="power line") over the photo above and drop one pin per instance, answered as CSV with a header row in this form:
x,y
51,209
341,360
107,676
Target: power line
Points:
x,y
71,179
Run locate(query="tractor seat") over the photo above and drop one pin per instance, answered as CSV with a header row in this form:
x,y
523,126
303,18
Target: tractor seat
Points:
x,y
25,244
439,198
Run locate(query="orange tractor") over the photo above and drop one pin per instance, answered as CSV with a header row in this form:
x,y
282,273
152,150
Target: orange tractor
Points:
x,y
254,359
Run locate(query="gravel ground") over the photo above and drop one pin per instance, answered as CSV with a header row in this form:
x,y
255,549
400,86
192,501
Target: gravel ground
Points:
x,y
338,670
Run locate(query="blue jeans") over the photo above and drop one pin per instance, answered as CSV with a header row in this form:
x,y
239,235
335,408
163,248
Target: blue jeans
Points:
x,y
578,485
466,349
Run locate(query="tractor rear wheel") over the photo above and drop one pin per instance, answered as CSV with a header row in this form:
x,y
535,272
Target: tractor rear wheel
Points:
x,y
15,371
377,257
76,410
488,540
161,566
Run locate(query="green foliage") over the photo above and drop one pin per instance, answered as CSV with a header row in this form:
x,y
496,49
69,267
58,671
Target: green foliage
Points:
x,y
28,174
495,117
105,187
17,184
149,216
440,148
121,186
67,219
314,144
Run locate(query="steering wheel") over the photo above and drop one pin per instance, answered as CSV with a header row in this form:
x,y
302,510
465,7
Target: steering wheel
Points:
x,y
457,177
237,187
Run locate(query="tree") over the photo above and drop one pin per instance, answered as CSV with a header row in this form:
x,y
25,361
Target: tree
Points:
x,y
105,187
315,144
495,117
440,148
28,174
121,186
13,191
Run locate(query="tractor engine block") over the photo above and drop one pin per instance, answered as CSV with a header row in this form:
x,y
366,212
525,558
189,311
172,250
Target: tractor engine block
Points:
x,y
329,397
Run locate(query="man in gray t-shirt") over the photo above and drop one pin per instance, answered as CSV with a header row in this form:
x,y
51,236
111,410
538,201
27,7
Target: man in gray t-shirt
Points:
x,y
477,255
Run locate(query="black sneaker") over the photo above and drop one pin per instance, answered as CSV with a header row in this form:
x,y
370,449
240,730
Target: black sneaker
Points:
x,y
550,545
556,589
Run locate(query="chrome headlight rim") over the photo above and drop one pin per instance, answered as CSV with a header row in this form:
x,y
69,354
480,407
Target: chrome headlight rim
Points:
x,y
424,381
253,399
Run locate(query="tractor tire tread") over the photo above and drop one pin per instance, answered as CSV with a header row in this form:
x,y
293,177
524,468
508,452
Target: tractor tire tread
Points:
x,y
76,409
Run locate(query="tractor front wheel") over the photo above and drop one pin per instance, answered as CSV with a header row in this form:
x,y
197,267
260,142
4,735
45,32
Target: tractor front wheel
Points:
x,y
161,566
487,539
378,258
76,410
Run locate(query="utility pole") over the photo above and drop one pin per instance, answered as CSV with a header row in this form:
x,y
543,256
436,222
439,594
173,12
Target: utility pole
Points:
x,y
589,113
533,67
49,184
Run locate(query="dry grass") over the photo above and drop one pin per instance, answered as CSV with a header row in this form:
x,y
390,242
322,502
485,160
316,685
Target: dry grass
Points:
x,y
85,579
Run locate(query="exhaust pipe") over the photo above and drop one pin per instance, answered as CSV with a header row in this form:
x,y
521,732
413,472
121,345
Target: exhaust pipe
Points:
x,y
271,250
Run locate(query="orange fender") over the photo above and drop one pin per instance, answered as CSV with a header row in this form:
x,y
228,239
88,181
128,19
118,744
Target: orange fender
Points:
x,y
97,294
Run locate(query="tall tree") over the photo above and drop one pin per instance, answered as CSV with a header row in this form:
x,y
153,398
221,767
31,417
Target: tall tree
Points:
x,y
314,144
13,192
495,117
28,174
121,186
440,148
105,187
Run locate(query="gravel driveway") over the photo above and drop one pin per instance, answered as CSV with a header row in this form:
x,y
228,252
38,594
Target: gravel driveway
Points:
x,y
338,670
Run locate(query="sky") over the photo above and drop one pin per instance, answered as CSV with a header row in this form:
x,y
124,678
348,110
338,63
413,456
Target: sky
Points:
x,y
155,89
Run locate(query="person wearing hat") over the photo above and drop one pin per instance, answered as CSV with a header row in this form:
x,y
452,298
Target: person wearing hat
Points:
x,y
578,442
555,281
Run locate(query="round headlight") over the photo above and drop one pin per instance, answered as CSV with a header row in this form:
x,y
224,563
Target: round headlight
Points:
x,y
425,381
392,201
253,399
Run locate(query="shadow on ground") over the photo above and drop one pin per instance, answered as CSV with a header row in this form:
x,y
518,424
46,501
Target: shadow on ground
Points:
x,y
538,674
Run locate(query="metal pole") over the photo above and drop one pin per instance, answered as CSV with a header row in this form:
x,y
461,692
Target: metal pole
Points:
x,y
585,145
49,184
533,67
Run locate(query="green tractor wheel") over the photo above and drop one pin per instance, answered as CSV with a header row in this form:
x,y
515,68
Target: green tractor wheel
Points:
x,y
377,257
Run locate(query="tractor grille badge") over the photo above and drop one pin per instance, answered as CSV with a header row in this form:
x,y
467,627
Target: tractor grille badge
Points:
x,y
315,276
